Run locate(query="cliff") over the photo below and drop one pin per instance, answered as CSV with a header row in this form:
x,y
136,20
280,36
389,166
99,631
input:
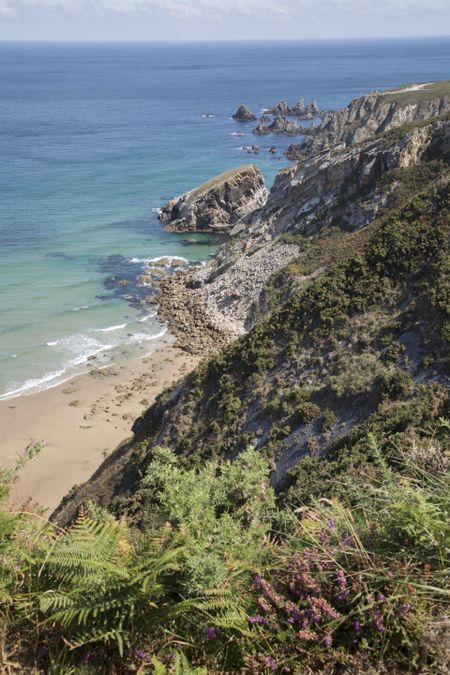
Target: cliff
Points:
x,y
335,297
363,347
374,114
346,190
218,204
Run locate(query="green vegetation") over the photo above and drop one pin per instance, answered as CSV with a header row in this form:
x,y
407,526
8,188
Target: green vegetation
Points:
x,y
225,582
285,508
429,92
362,348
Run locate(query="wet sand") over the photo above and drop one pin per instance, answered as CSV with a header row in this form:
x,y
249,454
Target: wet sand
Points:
x,y
82,421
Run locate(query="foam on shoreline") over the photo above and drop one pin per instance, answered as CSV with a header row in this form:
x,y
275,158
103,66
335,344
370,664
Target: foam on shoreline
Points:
x,y
80,349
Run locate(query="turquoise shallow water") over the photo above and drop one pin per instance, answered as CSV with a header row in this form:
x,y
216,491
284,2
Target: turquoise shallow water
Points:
x,y
94,138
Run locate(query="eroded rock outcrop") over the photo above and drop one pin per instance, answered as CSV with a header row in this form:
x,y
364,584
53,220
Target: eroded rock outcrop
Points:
x,y
346,189
305,112
281,108
218,204
281,125
375,114
244,114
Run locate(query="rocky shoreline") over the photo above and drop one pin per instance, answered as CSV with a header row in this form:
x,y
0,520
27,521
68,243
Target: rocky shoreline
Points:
x,y
182,307
202,306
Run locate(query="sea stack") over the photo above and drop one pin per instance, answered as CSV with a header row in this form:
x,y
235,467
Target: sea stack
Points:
x,y
244,114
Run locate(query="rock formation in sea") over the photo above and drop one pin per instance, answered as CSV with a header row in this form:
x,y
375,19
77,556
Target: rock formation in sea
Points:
x,y
218,204
280,108
244,114
281,125
262,129
300,110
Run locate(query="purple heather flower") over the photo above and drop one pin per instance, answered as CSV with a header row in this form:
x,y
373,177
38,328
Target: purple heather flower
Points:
x,y
271,594
324,538
262,602
143,656
404,609
357,626
270,662
211,633
320,607
330,523
256,580
378,621
292,610
346,539
342,583
258,618
389,574
327,640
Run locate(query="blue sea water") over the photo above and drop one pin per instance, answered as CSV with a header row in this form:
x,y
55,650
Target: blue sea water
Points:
x,y
95,137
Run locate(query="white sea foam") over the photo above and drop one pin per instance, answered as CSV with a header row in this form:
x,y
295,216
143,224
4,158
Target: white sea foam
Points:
x,y
147,317
33,385
144,337
156,209
149,261
84,358
77,309
77,350
79,347
110,328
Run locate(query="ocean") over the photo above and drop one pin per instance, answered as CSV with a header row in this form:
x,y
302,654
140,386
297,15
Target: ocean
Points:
x,y
94,138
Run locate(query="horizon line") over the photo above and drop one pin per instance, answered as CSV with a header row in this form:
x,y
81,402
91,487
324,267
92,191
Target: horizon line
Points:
x,y
225,40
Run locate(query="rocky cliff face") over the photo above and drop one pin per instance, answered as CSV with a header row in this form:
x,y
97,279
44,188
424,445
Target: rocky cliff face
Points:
x,y
218,204
375,114
335,295
362,349
345,190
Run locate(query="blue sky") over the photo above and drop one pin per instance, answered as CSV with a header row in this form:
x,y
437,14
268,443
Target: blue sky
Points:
x,y
219,19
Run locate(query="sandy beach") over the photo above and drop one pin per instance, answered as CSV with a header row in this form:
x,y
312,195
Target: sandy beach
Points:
x,y
82,421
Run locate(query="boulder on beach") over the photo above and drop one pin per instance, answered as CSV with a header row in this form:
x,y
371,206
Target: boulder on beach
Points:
x,y
218,204
244,114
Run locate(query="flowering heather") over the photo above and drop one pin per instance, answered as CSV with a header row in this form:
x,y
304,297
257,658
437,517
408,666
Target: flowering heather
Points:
x,y
342,584
211,633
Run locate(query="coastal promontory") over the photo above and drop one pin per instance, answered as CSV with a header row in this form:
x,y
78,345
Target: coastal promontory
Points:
x,y
218,204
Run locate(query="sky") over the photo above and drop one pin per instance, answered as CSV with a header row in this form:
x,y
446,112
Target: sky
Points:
x,y
128,20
